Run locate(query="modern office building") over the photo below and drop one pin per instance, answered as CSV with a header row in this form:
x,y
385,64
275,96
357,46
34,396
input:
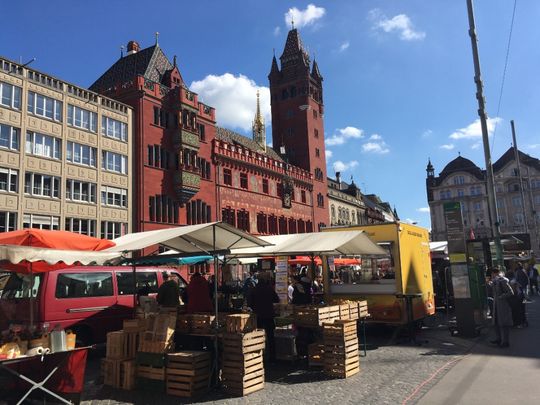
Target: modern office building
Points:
x,y
65,156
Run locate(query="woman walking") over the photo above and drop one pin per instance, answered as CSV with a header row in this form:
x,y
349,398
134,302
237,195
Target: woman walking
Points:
x,y
502,313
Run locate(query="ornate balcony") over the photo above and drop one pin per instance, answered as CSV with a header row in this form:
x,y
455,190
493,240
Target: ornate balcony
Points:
x,y
187,184
184,137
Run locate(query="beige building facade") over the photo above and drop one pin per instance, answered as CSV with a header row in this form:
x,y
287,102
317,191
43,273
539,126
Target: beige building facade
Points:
x,y
65,156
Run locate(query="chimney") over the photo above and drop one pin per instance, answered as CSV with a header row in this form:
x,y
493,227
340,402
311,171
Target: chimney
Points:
x,y
133,47
338,179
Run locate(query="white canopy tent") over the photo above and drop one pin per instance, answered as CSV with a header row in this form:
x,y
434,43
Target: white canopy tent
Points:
x,y
192,239
346,243
16,254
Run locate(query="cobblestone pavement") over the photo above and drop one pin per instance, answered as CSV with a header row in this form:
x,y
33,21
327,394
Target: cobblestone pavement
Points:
x,y
390,374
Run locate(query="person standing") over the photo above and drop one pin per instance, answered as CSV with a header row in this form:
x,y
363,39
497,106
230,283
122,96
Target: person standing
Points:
x,y
262,303
522,278
198,295
168,293
249,286
533,279
502,313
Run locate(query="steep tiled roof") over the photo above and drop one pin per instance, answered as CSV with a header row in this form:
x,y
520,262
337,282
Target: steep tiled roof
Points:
x,y
150,63
229,136
509,156
294,50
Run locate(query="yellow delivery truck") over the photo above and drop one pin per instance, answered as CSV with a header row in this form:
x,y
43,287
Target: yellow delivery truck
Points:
x,y
388,282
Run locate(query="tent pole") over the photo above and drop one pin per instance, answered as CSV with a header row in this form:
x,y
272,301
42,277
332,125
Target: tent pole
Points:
x,y
134,290
31,297
216,325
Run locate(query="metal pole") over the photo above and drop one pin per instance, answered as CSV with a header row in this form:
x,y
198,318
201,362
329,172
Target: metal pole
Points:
x,y
493,215
521,183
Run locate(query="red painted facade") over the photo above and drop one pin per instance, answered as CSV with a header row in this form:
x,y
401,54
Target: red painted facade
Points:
x,y
188,171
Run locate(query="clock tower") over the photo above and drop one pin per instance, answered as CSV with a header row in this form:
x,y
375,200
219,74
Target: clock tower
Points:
x,y
297,118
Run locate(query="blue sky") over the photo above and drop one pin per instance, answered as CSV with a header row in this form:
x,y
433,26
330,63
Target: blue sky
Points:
x,y
398,75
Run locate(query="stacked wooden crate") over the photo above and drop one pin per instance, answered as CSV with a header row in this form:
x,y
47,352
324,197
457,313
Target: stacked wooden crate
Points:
x,y
316,355
341,357
160,338
201,324
240,323
353,310
188,373
311,316
118,368
363,309
242,362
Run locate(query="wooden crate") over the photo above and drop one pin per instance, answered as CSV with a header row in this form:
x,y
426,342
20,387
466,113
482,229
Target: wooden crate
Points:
x,y
189,363
118,373
363,309
340,329
316,355
134,325
115,346
150,346
344,370
242,364
243,342
249,384
131,344
241,323
202,323
314,316
353,310
152,373
183,323
181,386
344,312
164,326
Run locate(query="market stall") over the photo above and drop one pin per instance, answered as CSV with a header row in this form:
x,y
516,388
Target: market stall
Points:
x,y
31,359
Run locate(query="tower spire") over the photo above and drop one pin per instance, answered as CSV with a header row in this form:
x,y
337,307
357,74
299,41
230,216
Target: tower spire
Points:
x,y
259,128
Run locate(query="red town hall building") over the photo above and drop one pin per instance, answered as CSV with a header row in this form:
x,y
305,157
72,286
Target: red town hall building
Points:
x,y
190,171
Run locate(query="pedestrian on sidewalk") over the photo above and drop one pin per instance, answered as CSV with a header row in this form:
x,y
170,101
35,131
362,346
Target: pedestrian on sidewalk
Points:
x,y
502,313
522,278
533,279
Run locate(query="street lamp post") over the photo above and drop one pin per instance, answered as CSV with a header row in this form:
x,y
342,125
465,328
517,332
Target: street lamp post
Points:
x,y
493,214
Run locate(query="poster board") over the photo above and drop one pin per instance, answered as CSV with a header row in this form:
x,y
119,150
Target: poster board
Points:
x,y
282,282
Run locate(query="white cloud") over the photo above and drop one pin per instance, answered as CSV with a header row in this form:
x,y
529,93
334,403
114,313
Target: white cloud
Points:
x,y
380,148
375,137
343,134
303,18
400,24
340,166
277,31
476,145
344,46
328,153
533,146
427,133
448,146
411,221
474,130
423,209
234,98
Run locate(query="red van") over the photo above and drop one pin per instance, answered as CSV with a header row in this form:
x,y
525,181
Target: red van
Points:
x,y
90,300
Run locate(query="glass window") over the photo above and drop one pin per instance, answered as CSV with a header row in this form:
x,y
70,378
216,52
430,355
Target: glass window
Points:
x,y
43,145
114,162
44,106
116,197
40,222
459,180
112,230
516,201
113,128
82,226
41,185
80,191
8,221
227,177
79,285
10,96
9,137
9,180
81,154
18,286
81,118
146,281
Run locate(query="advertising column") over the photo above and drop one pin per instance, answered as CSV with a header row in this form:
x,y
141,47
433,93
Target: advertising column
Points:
x,y
458,266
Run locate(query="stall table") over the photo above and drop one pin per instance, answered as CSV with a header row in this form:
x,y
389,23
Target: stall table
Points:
x,y
60,375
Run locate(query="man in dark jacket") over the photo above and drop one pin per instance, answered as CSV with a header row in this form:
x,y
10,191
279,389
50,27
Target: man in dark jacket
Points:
x,y
168,294
261,301
522,278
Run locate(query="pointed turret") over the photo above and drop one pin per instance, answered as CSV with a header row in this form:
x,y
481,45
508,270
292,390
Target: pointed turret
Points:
x,y
294,51
259,129
429,169
315,73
